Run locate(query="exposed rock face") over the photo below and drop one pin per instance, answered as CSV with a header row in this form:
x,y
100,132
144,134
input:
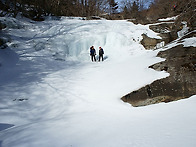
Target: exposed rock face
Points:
x,y
149,43
162,27
167,31
181,64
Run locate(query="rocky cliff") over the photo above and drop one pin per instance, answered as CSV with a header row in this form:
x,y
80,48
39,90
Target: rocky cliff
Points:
x,y
180,63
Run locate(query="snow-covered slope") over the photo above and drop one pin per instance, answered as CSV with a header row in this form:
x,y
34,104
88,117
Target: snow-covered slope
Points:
x,y
51,94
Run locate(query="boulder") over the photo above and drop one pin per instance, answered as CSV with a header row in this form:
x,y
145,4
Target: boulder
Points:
x,y
181,64
149,43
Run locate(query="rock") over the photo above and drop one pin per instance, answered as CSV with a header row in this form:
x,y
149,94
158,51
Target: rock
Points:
x,y
93,18
189,35
2,26
3,44
181,64
169,36
20,99
167,31
162,27
142,20
149,43
2,41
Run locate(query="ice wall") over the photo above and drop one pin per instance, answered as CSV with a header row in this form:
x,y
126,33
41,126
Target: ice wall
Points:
x,y
70,39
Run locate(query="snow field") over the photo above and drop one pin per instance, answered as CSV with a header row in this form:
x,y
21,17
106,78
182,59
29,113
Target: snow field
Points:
x,y
70,101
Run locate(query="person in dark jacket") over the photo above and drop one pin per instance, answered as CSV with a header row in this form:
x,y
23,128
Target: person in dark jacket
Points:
x,y
174,7
101,52
92,53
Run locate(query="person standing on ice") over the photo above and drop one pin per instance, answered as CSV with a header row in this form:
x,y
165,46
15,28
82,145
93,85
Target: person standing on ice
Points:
x,y
101,52
93,53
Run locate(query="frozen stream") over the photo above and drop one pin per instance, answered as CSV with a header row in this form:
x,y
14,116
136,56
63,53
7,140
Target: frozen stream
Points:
x,y
51,94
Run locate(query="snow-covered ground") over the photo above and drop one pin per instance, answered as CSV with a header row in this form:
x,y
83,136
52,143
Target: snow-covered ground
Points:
x,y
51,94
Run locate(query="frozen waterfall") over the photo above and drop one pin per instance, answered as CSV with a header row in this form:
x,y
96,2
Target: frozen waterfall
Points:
x,y
71,39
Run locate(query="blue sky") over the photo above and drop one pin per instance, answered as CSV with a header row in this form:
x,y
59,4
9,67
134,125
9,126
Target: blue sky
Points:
x,y
147,2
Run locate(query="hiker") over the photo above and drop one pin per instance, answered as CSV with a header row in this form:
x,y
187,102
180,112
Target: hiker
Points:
x,y
92,53
101,52
174,7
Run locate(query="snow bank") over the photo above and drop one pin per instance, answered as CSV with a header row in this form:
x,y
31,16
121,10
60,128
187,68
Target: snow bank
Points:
x,y
190,42
184,30
169,19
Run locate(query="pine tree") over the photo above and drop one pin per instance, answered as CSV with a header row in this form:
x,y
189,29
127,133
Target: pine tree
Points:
x,y
113,6
135,9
